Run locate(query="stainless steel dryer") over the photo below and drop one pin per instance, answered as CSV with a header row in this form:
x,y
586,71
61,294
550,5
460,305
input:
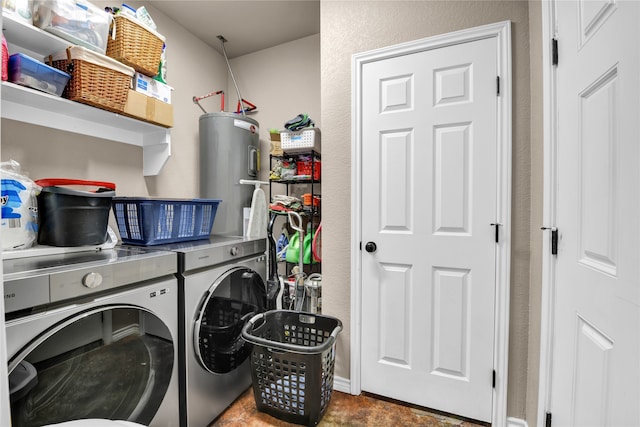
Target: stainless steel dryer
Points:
x,y
222,283
93,335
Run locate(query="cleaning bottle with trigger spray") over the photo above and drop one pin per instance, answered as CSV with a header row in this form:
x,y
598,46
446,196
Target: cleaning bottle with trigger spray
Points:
x,y
162,67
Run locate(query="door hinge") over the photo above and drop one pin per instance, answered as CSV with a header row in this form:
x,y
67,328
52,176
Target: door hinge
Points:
x,y
554,239
547,420
498,85
493,379
497,226
554,52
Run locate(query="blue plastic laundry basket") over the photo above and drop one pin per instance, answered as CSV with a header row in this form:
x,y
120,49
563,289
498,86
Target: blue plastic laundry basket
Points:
x,y
150,221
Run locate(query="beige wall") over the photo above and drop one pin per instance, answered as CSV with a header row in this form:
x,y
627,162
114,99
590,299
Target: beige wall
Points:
x,y
349,27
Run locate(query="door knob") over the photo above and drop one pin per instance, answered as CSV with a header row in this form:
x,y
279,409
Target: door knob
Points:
x,y
370,247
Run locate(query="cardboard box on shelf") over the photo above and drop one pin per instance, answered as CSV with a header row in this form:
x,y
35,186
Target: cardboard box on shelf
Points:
x,y
150,87
148,109
276,146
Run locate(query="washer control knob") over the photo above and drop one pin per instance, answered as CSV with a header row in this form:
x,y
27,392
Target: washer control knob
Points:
x,y
234,251
92,280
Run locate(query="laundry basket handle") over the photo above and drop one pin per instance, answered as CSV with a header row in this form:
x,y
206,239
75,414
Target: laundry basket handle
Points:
x,y
260,321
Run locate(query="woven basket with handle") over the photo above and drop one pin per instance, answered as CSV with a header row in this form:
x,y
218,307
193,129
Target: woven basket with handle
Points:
x,y
134,45
94,84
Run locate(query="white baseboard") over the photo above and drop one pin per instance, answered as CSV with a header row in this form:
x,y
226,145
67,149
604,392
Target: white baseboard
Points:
x,y
516,422
342,384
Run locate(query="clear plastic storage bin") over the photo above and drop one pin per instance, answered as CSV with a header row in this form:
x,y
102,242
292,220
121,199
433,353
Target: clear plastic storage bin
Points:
x,y
77,21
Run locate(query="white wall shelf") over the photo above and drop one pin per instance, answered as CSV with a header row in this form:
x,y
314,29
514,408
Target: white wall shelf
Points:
x,y
39,108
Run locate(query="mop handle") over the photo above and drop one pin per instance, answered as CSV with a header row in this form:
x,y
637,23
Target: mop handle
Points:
x,y
296,224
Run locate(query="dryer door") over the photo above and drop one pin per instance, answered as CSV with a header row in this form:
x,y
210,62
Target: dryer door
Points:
x,y
112,362
233,299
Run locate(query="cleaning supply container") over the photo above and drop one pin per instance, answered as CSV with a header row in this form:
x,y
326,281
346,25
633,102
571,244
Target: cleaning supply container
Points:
x,y
73,217
292,363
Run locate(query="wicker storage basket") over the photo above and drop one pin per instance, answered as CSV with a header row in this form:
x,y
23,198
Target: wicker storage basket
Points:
x,y
135,45
96,80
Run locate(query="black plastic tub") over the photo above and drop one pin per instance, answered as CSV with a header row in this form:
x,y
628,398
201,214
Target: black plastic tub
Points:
x,y
72,217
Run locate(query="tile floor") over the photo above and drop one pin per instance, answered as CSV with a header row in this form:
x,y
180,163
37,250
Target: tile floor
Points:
x,y
344,410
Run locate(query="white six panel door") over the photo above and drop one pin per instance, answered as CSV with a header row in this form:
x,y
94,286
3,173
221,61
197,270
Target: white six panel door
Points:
x,y
596,348
429,198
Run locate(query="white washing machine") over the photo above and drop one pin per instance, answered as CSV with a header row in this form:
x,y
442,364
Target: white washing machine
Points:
x,y
222,285
93,335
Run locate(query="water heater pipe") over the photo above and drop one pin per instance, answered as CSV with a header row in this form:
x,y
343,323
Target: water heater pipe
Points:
x,y
223,41
200,98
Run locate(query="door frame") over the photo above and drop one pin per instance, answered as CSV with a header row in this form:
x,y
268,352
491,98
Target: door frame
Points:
x,y
502,32
549,212
5,418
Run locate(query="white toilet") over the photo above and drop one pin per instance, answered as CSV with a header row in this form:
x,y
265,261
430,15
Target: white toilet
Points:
x,y
95,422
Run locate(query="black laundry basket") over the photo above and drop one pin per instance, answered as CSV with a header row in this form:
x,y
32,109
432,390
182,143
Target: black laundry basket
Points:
x,y
292,363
